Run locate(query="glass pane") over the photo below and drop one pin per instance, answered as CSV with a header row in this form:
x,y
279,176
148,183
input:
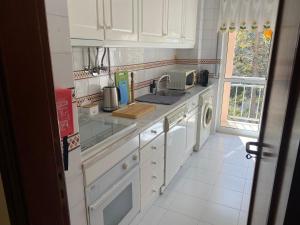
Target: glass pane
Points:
x,y
115,212
242,105
248,54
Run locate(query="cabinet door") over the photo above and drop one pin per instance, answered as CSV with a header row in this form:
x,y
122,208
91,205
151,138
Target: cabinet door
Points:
x,y
174,18
175,149
189,19
120,20
86,19
191,133
153,25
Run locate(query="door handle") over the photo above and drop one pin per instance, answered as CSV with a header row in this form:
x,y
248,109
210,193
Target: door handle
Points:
x,y
248,146
258,151
252,152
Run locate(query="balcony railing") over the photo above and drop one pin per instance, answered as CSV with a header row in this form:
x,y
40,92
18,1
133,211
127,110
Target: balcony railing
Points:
x,y
245,103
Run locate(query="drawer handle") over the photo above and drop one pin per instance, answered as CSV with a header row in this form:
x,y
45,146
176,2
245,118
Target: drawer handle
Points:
x,y
153,131
125,166
134,157
154,163
153,147
154,177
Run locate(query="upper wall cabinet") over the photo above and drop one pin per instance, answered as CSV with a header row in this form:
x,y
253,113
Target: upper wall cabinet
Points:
x,y
189,20
86,19
120,20
153,21
174,18
134,23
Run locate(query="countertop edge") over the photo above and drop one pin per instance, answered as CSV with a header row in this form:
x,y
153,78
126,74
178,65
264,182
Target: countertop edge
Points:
x,y
91,155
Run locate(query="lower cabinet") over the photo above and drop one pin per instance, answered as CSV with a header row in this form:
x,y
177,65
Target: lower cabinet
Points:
x,y
152,170
191,132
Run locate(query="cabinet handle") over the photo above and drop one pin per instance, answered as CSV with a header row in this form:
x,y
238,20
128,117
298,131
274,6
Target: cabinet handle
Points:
x,y
153,131
125,166
154,191
134,157
154,163
154,177
153,147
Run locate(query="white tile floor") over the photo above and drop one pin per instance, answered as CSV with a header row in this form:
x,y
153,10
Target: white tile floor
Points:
x,y
213,187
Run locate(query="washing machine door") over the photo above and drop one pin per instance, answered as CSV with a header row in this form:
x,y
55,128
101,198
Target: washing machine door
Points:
x,y
207,115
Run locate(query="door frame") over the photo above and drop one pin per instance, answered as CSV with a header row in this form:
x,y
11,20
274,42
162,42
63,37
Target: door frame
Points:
x,y
293,97
31,159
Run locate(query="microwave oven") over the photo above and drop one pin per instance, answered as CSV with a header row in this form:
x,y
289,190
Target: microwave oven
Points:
x,y
181,79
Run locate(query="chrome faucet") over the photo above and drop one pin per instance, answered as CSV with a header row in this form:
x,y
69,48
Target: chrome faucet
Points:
x,y
157,89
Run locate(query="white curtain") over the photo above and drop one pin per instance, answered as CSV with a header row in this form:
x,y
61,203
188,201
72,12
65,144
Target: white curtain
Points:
x,y
247,14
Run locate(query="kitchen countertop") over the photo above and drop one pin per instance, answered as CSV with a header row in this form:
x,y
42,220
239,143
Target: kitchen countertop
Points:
x,y
136,126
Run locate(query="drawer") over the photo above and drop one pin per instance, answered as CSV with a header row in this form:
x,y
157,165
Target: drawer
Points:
x,y
192,103
148,197
158,176
152,174
95,167
155,147
151,133
146,176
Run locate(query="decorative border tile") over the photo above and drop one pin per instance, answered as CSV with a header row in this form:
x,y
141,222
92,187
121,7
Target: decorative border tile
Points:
x,y
198,61
89,99
79,75
74,141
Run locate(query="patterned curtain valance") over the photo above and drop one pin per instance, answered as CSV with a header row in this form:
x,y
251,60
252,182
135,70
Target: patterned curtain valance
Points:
x,y
247,14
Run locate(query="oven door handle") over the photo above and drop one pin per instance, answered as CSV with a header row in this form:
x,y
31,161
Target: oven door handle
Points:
x,y
100,201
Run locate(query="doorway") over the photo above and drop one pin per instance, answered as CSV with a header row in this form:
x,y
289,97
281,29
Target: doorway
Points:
x,y
242,91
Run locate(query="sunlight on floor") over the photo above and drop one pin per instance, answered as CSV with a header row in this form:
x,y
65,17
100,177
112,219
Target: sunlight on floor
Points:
x,y
213,187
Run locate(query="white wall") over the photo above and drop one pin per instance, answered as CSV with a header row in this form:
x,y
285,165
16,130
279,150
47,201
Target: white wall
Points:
x,y
61,57
206,36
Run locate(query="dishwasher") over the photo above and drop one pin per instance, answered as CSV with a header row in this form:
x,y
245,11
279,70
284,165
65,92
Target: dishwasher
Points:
x,y
175,128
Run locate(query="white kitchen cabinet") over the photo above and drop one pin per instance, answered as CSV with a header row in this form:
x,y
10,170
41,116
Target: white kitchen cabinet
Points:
x,y
191,132
189,20
121,20
152,170
153,23
175,149
174,18
86,19
133,23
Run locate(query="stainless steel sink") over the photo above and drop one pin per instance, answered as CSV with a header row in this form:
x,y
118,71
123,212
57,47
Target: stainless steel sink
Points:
x,y
171,93
164,97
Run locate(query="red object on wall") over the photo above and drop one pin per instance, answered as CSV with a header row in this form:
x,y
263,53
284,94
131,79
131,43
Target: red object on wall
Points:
x,y
64,111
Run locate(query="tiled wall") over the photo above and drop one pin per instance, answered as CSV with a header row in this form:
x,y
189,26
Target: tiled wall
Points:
x,y
61,57
146,63
206,37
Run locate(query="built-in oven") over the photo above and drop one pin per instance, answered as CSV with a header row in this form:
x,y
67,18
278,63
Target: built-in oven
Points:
x,y
114,198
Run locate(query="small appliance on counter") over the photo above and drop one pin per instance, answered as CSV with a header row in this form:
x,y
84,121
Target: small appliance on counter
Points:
x,y
202,78
91,109
181,78
111,98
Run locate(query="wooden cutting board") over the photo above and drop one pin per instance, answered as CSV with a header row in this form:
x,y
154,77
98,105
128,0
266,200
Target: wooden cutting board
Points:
x,y
134,111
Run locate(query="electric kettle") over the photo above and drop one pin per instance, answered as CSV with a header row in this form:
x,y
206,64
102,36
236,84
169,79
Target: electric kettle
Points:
x,y
111,98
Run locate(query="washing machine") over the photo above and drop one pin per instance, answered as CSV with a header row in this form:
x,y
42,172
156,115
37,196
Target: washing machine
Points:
x,y
205,118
